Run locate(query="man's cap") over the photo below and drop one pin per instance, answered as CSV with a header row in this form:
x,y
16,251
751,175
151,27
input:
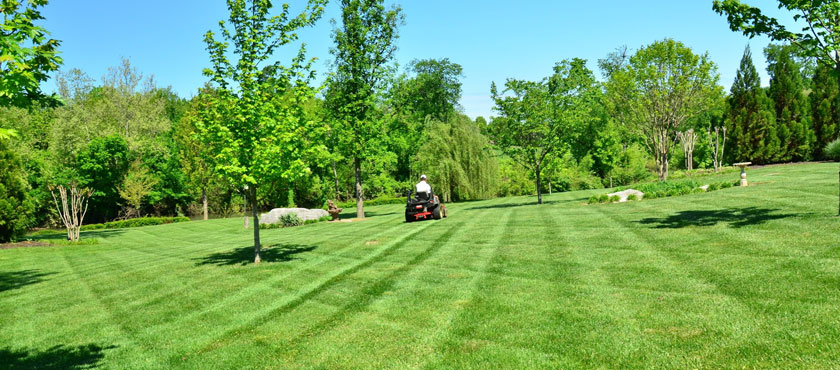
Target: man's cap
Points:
x,y
422,176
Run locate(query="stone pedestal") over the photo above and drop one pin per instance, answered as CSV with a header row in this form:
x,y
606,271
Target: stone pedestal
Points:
x,y
743,166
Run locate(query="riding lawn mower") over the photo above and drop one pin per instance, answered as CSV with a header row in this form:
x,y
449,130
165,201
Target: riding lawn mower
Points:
x,y
424,206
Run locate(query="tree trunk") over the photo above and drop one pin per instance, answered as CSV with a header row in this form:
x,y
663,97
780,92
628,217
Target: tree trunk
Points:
x,y
360,208
256,216
335,176
204,202
838,196
539,186
611,183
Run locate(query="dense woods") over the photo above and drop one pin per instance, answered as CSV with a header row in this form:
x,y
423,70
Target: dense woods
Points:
x,y
143,150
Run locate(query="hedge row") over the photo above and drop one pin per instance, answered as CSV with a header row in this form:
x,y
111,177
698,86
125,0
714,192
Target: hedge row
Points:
x,y
135,222
663,189
372,202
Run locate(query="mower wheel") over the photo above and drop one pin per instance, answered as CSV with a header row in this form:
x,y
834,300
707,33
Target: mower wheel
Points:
x,y
436,213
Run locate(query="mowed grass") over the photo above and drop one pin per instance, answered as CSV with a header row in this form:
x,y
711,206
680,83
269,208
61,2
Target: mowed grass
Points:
x,y
741,277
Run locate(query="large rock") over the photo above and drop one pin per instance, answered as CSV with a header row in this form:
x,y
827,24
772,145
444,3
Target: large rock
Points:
x,y
622,195
304,214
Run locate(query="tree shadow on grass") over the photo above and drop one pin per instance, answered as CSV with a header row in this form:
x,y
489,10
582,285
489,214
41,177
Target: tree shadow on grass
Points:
x,y
58,357
17,279
348,216
735,217
61,235
245,255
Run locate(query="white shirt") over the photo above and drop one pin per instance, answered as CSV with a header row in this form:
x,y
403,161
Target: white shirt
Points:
x,y
423,187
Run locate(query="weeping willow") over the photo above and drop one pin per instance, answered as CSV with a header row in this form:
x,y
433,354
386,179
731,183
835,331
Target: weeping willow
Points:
x,y
457,159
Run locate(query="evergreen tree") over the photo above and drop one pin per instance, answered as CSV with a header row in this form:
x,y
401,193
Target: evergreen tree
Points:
x,y
825,108
793,122
750,117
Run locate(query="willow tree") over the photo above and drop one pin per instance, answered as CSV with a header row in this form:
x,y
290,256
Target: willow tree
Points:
x,y
261,139
365,43
538,119
663,86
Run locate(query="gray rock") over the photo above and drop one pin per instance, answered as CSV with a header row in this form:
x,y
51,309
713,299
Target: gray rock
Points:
x,y
274,215
705,187
622,195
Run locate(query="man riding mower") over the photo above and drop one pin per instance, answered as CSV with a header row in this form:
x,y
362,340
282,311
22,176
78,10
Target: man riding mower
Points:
x,y
425,205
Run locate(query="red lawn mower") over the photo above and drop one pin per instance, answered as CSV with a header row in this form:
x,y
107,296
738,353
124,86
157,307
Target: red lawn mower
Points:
x,y
424,206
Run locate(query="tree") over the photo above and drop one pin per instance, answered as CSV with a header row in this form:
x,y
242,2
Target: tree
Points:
x,y
364,45
15,207
661,87
717,143
196,157
260,141
832,150
27,55
750,117
137,185
101,167
688,139
458,160
72,209
825,108
538,119
787,90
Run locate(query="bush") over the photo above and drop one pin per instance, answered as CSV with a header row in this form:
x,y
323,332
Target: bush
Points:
x,y
632,197
135,222
593,200
603,198
614,199
15,207
290,220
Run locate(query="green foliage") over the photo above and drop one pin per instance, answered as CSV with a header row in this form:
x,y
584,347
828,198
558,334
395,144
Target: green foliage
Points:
x,y
458,160
825,107
28,55
101,166
832,150
614,199
632,197
15,207
289,220
751,120
365,42
538,120
659,89
371,202
513,179
632,167
135,222
137,185
787,90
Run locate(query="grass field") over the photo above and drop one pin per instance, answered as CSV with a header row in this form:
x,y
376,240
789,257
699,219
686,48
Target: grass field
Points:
x,y
741,277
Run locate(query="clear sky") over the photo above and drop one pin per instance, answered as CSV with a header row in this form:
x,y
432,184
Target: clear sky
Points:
x,y
492,39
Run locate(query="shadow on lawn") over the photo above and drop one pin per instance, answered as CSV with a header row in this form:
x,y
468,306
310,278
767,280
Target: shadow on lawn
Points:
x,y
735,217
245,255
18,279
347,216
58,357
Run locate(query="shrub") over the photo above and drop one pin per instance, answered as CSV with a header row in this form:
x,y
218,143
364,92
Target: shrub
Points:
x,y
593,200
15,208
135,222
615,198
726,184
713,186
632,197
603,198
290,220
322,219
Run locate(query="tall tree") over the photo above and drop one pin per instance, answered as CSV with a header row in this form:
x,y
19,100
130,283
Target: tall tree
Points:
x,y
661,87
429,91
787,90
750,118
365,43
261,140
825,108
538,120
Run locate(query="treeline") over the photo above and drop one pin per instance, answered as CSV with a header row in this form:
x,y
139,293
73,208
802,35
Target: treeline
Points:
x,y
143,150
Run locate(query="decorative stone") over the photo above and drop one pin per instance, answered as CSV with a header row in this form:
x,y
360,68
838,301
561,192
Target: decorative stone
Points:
x,y
705,187
622,195
304,214
743,166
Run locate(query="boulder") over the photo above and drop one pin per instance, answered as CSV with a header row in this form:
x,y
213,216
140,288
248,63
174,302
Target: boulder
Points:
x,y
622,195
705,187
274,215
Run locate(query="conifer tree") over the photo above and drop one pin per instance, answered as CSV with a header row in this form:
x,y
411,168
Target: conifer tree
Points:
x,y
750,117
793,122
825,108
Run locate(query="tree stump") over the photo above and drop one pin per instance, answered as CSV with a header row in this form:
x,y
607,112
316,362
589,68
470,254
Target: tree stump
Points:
x,y
333,210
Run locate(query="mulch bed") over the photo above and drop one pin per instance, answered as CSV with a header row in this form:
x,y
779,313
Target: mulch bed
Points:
x,y
24,245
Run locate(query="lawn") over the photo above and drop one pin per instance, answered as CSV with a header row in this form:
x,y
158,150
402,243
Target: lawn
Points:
x,y
740,277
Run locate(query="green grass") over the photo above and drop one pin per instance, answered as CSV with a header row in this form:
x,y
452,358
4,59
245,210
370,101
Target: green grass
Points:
x,y
740,277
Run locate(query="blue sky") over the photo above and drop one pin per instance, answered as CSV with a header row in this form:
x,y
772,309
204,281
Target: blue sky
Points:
x,y
492,40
